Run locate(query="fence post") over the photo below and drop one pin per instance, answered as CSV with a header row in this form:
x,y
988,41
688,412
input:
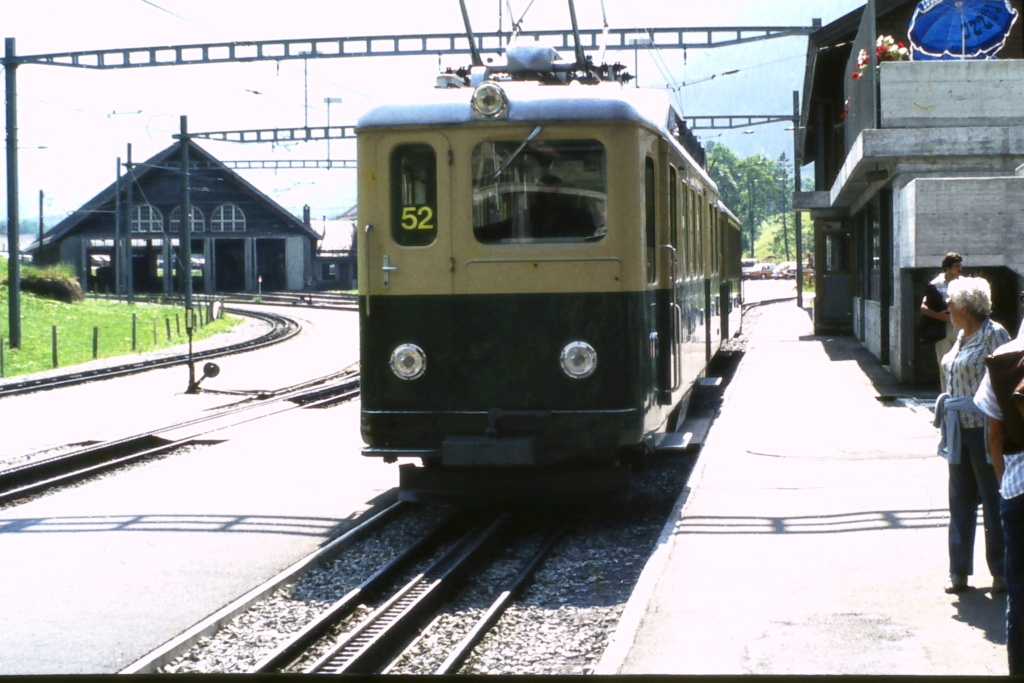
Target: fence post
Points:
x,y
168,321
177,323
135,330
95,342
55,363
154,333
2,359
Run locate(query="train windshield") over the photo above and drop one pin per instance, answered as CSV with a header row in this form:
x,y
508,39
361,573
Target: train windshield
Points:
x,y
551,191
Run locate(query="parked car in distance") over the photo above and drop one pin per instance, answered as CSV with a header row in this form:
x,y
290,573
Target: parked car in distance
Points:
x,y
784,271
758,271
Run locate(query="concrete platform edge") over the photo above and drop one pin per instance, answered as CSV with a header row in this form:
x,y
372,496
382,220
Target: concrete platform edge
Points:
x,y
639,602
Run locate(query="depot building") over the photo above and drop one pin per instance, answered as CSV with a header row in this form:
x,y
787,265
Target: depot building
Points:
x,y
241,239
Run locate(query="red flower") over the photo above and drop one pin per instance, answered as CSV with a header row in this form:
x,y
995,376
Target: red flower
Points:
x,y
855,75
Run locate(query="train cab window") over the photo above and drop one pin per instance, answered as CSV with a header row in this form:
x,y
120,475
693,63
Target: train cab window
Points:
x,y
546,191
414,217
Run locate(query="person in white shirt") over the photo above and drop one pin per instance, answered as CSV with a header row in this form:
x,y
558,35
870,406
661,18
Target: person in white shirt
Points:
x,y
933,305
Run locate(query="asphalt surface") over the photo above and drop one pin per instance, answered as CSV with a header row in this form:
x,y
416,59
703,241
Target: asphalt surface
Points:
x,y
95,577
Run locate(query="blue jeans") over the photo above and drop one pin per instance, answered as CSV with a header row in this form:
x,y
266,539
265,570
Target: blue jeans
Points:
x,y
973,481
1013,531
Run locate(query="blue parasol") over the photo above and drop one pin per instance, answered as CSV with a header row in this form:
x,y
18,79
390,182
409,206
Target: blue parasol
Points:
x,y
960,29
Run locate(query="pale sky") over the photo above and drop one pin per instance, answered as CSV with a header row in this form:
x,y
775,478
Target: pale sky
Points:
x,y
75,123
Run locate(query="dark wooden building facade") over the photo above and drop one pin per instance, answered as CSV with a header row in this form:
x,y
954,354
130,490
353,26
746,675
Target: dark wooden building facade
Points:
x,y
241,239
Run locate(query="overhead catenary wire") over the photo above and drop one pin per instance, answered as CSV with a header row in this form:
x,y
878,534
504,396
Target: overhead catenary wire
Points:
x,y
732,72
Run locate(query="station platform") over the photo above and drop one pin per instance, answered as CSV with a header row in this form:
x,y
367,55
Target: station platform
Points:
x,y
812,538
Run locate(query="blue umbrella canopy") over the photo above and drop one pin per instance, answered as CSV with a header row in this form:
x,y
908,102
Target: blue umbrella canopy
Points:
x,y
960,29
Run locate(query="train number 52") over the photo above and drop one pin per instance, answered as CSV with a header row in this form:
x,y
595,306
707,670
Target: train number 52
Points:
x,y
418,217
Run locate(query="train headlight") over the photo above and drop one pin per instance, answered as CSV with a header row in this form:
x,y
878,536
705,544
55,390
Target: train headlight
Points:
x,y
408,361
489,100
579,359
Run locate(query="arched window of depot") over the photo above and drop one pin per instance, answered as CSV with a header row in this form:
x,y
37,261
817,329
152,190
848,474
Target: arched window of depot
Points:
x,y
198,220
147,218
227,218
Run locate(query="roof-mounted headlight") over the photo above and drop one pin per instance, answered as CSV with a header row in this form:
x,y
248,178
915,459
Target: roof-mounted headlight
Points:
x,y
408,361
578,359
489,100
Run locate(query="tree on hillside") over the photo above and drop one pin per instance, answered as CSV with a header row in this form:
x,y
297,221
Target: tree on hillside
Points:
x,y
785,200
722,165
759,191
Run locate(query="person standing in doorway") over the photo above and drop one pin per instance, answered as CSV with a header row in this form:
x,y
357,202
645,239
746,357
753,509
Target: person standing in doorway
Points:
x,y
933,307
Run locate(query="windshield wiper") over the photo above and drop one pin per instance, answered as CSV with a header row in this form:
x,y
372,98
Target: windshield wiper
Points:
x,y
528,140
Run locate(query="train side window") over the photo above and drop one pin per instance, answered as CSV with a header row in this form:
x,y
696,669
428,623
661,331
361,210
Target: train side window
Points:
x,y
650,214
673,214
547,191
414,218
691,222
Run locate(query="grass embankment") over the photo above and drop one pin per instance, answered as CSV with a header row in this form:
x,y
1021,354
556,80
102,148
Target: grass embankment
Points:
x,y
75,324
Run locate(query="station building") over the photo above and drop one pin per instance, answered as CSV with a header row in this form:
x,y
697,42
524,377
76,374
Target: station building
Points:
x,y
915,160
242,240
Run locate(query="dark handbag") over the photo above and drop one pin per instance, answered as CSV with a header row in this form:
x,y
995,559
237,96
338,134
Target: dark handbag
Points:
x,y
930,331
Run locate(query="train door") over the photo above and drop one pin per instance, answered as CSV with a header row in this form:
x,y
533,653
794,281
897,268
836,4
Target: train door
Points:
x,y
662,335
408,234
673,326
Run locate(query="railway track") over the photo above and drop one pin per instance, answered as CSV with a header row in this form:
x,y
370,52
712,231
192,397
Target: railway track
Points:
x,y
378,625
282,329
39,473
328,300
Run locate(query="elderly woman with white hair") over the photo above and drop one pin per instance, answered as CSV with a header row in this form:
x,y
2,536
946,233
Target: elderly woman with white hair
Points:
x,y
972,479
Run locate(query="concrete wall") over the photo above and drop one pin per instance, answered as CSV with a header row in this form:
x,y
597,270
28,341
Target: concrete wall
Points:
x,y
952,93
297,258
979,217
872,327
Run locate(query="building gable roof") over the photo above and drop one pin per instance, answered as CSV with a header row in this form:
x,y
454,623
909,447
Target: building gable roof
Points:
x,y
164,162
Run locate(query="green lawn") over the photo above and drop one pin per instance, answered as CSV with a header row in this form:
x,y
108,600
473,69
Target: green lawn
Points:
x,y
75,324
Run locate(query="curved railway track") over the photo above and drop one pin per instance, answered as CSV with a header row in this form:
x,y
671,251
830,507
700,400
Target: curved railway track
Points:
x,y
328,300
282,329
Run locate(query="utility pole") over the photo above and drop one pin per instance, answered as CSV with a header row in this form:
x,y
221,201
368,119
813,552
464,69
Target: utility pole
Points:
x,y
42,228
329,101
796,188
750,207
783,207
13,231
186,254
129,210
116,262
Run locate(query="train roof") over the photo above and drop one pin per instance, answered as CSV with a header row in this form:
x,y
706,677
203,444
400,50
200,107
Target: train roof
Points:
x,y
530,102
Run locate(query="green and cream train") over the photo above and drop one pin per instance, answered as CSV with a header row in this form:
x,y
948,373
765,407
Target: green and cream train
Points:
x,y
545,273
